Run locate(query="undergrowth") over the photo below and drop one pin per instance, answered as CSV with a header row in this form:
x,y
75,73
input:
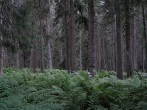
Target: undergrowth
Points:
x,y
58,90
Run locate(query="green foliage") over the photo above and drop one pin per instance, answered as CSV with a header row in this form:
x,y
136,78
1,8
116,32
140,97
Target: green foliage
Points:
x,y
58,90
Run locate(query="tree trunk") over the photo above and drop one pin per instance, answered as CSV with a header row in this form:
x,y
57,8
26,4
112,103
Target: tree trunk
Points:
x,y
1,56
114,45
50,55
42,53
66,34
42,40
119,40
144,34
128,40
19,59
97,45
1,45
133,35
91,51
72,37
49,30
33,60
80,39
143,62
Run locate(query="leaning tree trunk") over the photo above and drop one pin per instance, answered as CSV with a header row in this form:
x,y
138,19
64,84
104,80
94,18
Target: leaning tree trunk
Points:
x,y
72,37
91,48
128,40
119,40
144,34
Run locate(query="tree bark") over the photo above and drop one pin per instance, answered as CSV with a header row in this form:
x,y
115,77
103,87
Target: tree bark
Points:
x,y
91,51
42,40
33,60
1,46
114,45
1,56
80,39
119,40
144,35
72,37
128,40
19,59
66,34
49,30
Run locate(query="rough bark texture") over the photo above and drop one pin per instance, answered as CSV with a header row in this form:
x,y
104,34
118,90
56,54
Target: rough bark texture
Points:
x,y
50,65
42,40
144,34
118,38
72,37
1,46
66,34
80,43
33,60
128,40
1,57
114,45
19,59
91,53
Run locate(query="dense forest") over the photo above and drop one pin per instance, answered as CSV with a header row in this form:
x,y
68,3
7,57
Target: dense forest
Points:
x,y
73,55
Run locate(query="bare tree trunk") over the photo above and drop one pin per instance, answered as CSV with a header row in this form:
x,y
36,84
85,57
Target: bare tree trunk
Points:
x,y
143,62
33,60
81,66
1,56
99,52
144,34
128,40
61,54
19,59
42,40
50,54
133,34
42,54
103,53
66,33
49,30
91,48
72,37
114,45
1,45
97,48
133,40
119,40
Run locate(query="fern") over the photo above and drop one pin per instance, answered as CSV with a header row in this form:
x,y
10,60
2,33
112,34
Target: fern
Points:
x,y
58,90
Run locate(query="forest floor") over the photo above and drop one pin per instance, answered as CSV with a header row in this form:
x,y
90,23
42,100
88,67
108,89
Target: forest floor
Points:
x,y
57,90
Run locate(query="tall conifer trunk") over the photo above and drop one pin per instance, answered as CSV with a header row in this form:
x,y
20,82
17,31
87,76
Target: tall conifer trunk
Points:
x,y
66,34
128,40
72,37
144,34
91,48
41,39
49,30
119,40
1,45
